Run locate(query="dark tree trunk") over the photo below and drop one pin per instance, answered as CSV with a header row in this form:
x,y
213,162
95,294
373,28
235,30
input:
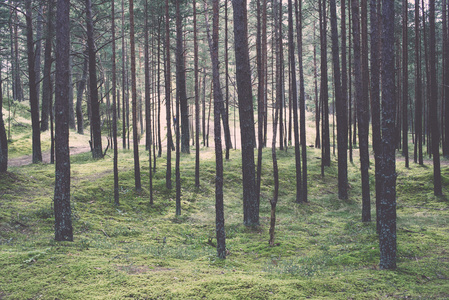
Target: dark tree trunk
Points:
x,y
243,78
34,101
350,84
63,219
362,113
180,86
3,137
405,82
317,100
159,134
387,236
79,94
114,107
218,97
291,48
167,96
38,50
46,82
134,98
197,102
302,101
260,94
17,81
435,132
375,102
181,83
340,99
280,76
446,79
325,144
124,87
97,151
418,154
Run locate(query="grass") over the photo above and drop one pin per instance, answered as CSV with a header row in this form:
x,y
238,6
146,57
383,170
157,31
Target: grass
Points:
x,y
141,251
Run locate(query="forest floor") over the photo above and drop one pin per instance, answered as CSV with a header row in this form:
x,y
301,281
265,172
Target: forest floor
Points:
x,y
140,250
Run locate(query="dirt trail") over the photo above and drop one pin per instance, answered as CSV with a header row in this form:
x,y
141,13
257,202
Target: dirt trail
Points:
x,y
28,159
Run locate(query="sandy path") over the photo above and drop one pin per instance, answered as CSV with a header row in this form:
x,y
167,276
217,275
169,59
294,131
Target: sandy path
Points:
x,y
28,159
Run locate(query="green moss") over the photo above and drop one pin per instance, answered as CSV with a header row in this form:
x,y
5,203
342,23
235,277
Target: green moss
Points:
x,y
137,250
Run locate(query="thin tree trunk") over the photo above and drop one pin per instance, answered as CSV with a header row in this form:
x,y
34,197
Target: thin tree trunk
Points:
x,y
437,190
3,137
362,114
45,109
340,100
148,101
405,82
197,103
34,101
325,144
137,180
97,151
292,63
114,107
418,154
168,183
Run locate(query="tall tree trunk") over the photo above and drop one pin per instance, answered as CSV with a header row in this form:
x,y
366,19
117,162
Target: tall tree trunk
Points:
x,y
340,99
46,82
181,83
325,144
134,98
34,101
38,50
63,219
405,82
280,77
79,94
114,107
362,113
433,103
387,236
124,87
167,96
445,78
317,100
3,137
243,78
260,94
180,95
418,154
197,101
375,102
291,48
97,151
159,134
218,97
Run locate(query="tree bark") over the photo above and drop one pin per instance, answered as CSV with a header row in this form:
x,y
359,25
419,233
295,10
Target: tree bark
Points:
x,y
435,133
34,100
243,78
167,96
197,101
418,154
387,236
114,107
46,82
3,137
405,82
137,180
340,100
63,221
97,151
362,113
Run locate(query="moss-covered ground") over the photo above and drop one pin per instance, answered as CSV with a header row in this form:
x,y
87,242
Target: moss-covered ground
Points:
x,y
143,251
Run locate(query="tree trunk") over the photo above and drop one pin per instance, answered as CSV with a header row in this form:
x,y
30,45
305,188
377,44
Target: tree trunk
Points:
x,y
362,113
63,220
197,102
79,94
167,96
97,151
405,82
46,82
375,102
435,132
243,78
34,101
446,79
291,47
3,137
325,144
181,83
387,236
134,98
340,99
418,154
114,107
